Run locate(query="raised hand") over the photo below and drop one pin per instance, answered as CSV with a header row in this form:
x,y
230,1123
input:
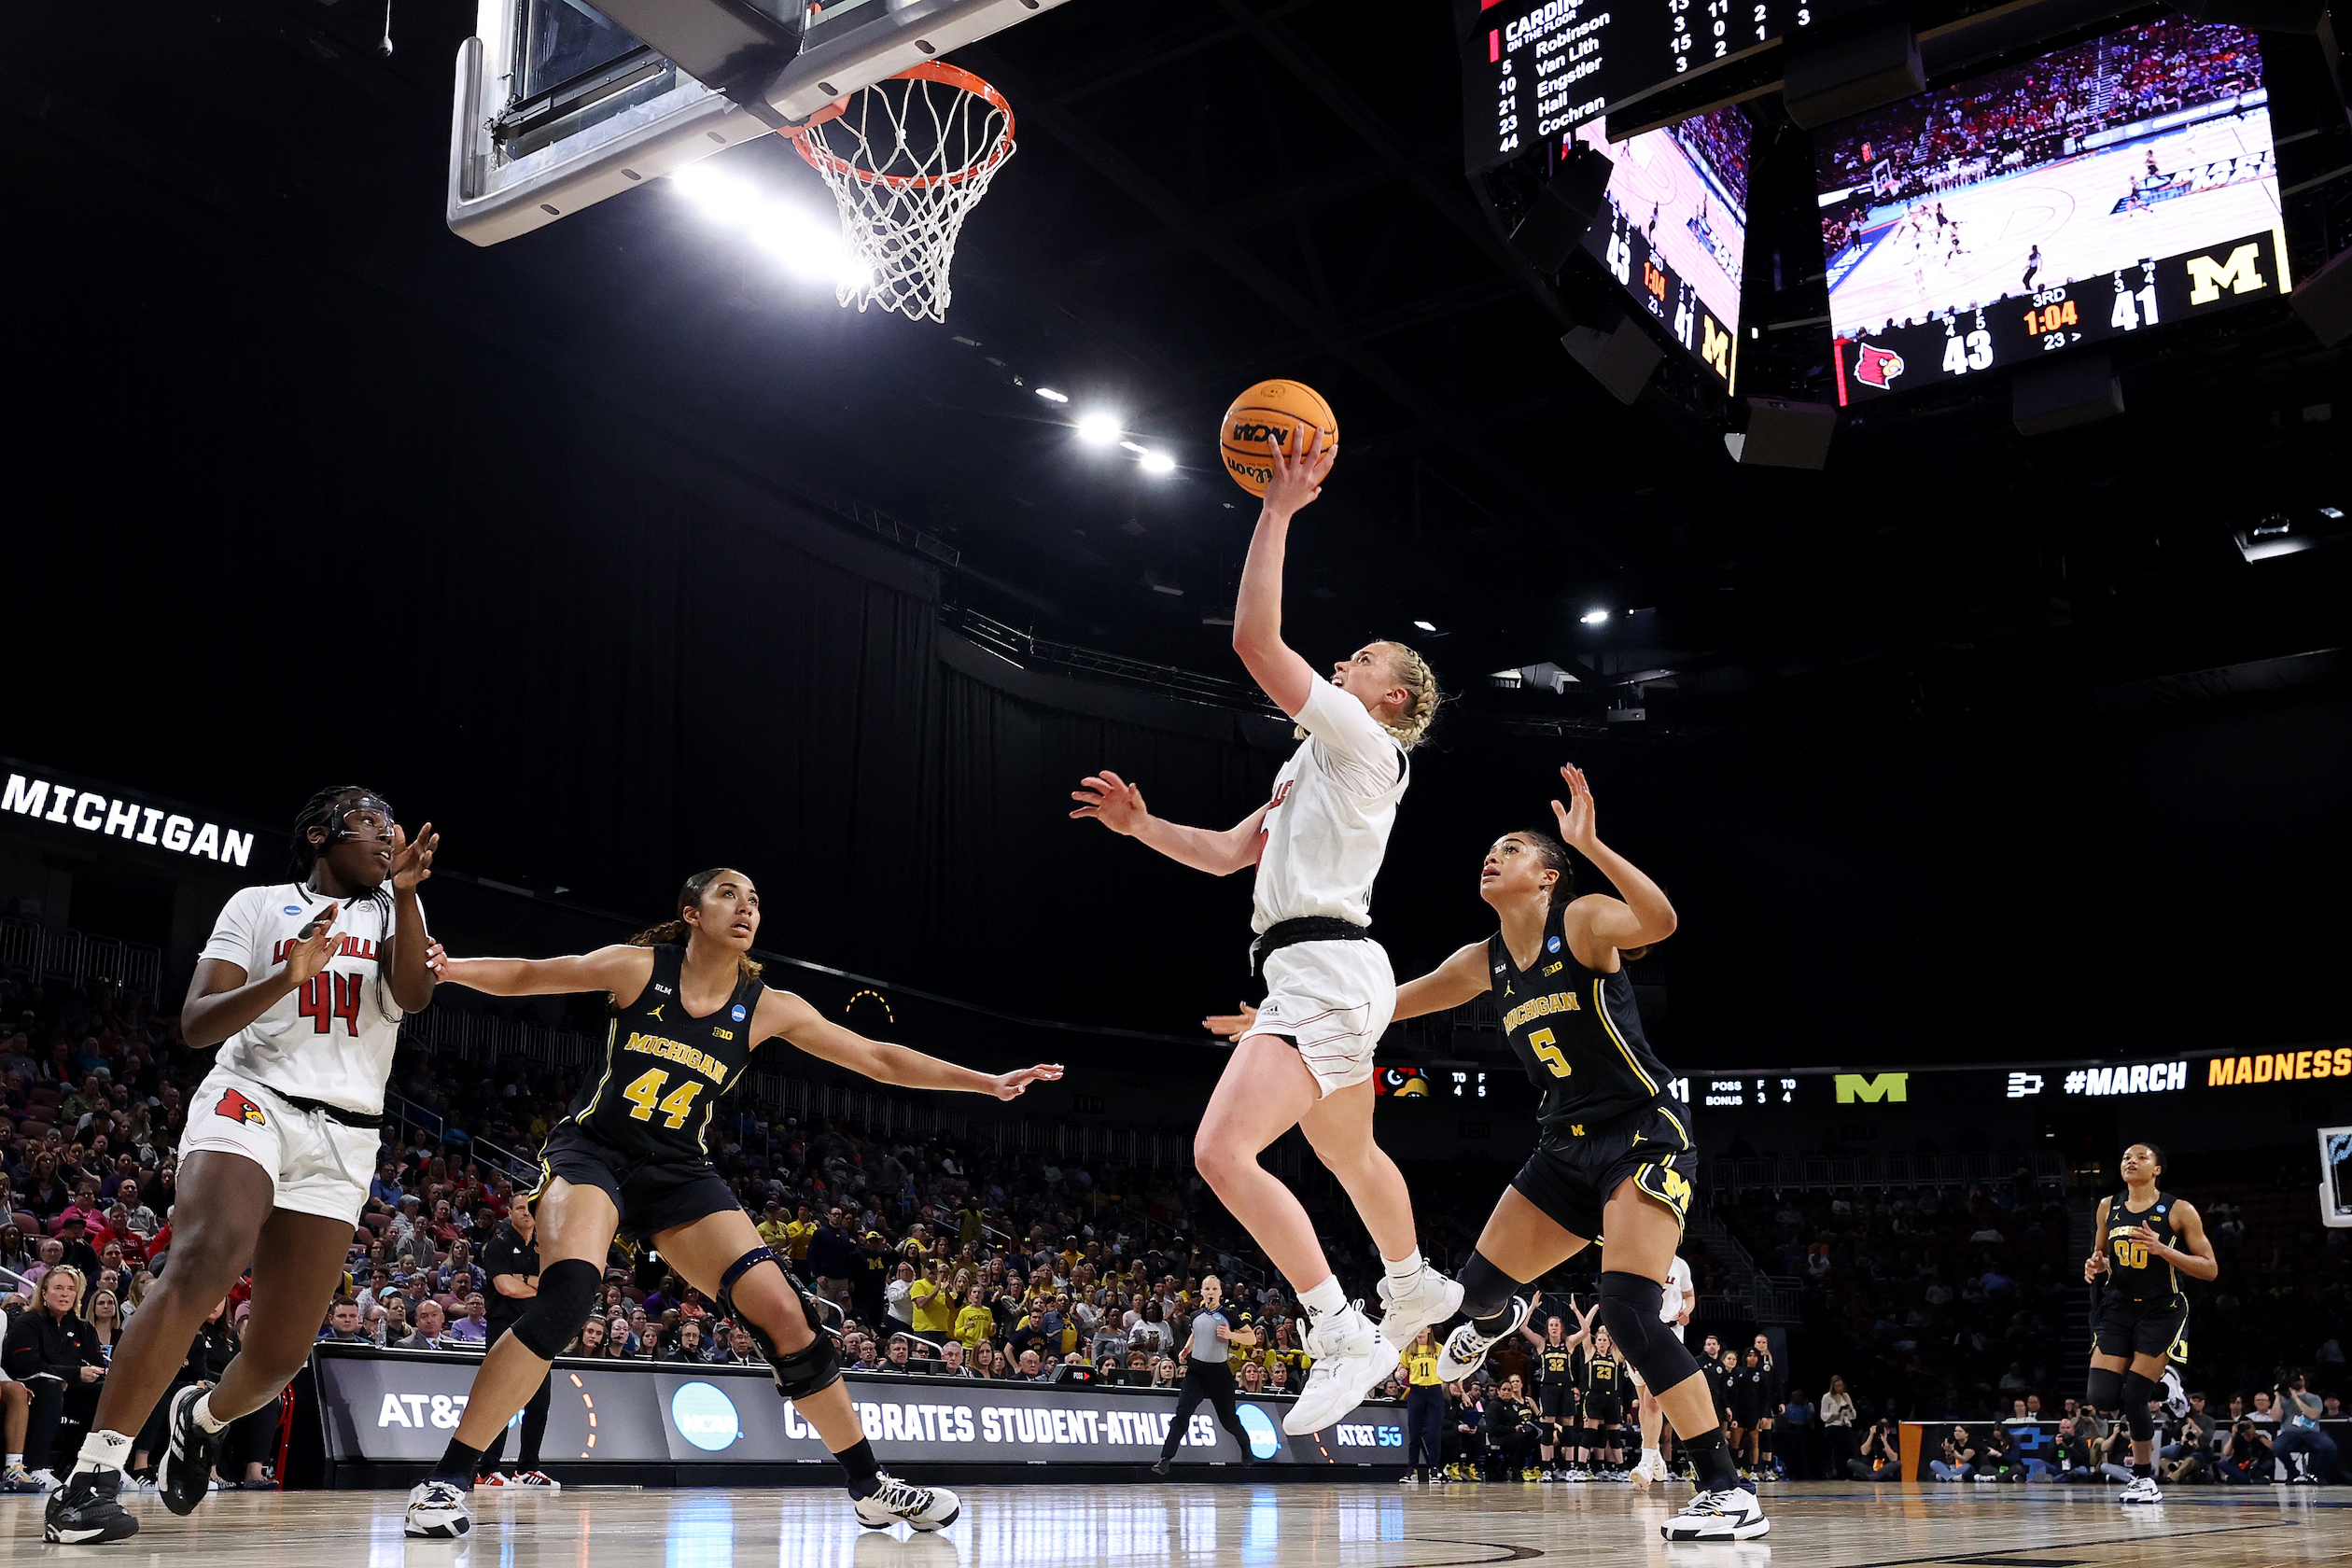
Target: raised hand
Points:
x,y
1300,466
413,858
1576,827
313,948
1112,800
1232,1025
1011,1085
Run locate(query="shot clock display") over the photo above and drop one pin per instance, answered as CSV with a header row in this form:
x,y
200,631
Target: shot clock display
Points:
x,y
2091,193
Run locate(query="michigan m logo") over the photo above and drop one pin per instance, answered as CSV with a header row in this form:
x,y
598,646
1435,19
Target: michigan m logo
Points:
x,y
2240,274
1894,1086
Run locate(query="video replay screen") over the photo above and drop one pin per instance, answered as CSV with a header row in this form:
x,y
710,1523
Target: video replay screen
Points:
x,y
1676,227
2090,193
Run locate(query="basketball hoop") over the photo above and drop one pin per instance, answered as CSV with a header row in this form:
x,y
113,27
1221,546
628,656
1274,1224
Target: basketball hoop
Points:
x,y
907,158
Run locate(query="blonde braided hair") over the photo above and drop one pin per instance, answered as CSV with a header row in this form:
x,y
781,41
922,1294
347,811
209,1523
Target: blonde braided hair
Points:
x,y
1412,672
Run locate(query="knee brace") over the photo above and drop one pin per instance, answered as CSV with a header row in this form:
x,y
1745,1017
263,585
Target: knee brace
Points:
x,y
2105,1390
1629,1310
1486,1290
566,1294
814,1366
2138,1392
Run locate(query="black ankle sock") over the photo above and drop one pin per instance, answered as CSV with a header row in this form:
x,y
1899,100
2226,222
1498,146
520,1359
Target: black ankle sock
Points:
x,y
865,1470
2143,1470
459,1465
1711,1460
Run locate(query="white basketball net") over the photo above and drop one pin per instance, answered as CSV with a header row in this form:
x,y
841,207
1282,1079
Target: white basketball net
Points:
x,y
907,160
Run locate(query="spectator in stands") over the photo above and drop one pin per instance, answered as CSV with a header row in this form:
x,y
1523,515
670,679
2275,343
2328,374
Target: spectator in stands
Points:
x,y
343,1324
15,1256
430,1325
590,1340
620,1344
832,1257
689,1346
1033,1367
475,1328
52,1351
952,1363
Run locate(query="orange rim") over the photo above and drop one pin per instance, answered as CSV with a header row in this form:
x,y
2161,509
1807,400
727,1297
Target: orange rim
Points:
x,y
821,157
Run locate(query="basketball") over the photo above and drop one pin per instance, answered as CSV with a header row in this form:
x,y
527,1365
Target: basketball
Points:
x,y
1270,410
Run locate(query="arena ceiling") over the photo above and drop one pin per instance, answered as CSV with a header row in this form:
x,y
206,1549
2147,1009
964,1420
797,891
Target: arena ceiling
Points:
x,y
1207,193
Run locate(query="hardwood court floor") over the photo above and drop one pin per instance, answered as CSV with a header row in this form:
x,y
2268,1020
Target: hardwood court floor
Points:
x,y
1817,1525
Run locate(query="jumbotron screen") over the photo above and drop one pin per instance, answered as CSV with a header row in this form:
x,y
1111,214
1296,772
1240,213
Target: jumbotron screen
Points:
x,y
2094,192
1675,232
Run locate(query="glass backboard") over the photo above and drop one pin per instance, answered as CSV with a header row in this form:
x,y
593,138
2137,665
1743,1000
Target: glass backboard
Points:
x,y
559,105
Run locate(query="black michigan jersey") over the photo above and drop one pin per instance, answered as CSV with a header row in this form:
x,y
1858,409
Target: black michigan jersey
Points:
x,y
2134,1273
1576,1032
664,1070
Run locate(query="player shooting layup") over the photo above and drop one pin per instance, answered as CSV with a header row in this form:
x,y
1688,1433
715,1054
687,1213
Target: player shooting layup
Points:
x,y
1308,1062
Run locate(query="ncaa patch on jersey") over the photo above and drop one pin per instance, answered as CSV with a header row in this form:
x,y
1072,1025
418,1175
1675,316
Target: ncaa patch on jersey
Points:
x,y
293,909
738,1014
1551,944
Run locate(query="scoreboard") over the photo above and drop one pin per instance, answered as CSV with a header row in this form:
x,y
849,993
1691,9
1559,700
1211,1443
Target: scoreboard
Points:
x,y
2132,299
1533,70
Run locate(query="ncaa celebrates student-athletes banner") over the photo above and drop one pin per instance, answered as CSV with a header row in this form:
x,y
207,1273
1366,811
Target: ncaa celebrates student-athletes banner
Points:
x,y
394,1407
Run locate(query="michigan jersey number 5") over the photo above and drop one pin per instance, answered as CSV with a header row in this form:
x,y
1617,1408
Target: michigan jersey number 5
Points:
x,y
647,1091
1547,1048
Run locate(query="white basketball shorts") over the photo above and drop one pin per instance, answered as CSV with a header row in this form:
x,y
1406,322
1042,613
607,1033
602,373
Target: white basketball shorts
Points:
x,y
1333,1000
317,1164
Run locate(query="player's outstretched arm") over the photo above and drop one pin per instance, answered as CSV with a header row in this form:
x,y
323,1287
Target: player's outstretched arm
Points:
x,y
1643,916
621,969
1461,978
412,976
1118,806
1299,472
783,1013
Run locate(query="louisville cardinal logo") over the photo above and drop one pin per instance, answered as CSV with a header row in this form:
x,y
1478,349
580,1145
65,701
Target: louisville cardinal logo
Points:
x,y
237,1108
1878,366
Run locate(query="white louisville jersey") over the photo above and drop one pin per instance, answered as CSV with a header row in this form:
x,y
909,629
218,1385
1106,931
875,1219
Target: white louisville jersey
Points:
x,y
1327,826
1678,1286
330,1038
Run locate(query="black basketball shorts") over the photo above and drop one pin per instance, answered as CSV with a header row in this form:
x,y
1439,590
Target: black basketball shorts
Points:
x,y
652,1195
1604,1408
1554,1400
2125,1328
1571,1173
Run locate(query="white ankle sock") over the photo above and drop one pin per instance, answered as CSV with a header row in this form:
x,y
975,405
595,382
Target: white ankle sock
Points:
x,y
15,1462
202,1414
1325,1298
1404,1270
103,1450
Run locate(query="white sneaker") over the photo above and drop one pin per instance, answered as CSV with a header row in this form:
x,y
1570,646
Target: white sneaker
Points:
x,y
44,1480
537,1480
1718,1516
1351,1357
436,1512
924,1507
1430,1299
2142,1490
2176,1397
1466,1348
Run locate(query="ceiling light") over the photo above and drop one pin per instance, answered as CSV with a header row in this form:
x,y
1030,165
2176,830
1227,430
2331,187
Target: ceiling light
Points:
x,y
1098,429
1051,396
2331,512
1424,625
1594,617
1135,447
1157,462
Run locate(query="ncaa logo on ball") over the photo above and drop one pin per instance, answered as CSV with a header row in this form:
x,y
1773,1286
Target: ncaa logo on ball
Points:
x,y
704,1417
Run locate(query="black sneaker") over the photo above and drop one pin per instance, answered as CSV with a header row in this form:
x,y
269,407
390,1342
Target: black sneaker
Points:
x,y
84,1513
187,1460
1161,1467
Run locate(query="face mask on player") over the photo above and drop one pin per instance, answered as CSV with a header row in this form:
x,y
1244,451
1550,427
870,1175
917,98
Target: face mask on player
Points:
x,y
366,815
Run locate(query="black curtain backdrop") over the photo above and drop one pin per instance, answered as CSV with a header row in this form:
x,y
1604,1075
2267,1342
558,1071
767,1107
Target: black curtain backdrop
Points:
x,y
275,528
